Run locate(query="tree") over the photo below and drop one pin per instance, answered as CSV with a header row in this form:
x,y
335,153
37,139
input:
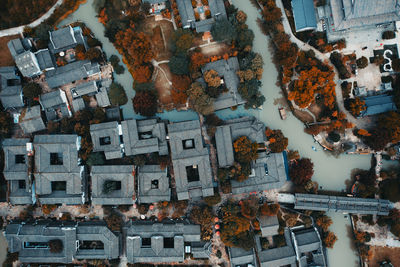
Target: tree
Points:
x,y
6,124
80,51
334,137
396,64
179,64
145,103
199,100
42,32
203,215
117,94
93,54
277,141
244,38
356,106
330,239
212,78
135,46
180,84
142,74
249,90
32,90
269,209
118,68
223,30
249,207
114,221
324,222
182,40
301,171
245,149
56,246
241,17
96,158
197,60
362,62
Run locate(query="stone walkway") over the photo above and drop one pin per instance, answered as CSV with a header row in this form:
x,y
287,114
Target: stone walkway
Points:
x,y
20,29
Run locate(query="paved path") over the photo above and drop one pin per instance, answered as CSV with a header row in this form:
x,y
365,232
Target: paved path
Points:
x,y
20,29
360,123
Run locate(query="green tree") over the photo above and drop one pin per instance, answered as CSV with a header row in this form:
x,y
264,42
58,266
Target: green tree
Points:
x,y
182,40
179,64
249,90
117,94
32,90
6,124
223,30
42,32
200,101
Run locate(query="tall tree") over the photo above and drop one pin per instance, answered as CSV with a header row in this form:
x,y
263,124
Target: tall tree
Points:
x,y
301,171
145,103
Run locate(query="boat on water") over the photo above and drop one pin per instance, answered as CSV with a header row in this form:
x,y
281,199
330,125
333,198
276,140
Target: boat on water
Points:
x,y
282,113
314,148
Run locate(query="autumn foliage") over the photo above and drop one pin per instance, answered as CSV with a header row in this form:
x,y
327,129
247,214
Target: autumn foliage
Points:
x,y
142,74
180,85
330,239
145,103
245,149
301,171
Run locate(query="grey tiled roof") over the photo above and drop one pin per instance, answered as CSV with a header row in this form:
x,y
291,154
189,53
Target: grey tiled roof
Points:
x,y
18,195
16,47
44,59
269,225
342,204
55,105
74,71
241,257
198,156
186,12
66,38
28,64
10,88
150,191
88,88
12,169
72,236
227,70
274,162
68,170
156,252
378,104
307,240
106,130
281,256
32,120
144,136
304,15
78,104
350,14
155,1
102,98
120,173
19,235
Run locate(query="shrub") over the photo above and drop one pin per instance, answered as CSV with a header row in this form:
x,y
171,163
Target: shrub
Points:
x,y
117,94
56,246
362,62
388,35
213,200
336,59
334,137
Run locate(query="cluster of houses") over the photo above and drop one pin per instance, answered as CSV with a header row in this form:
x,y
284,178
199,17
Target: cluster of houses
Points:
x,y
48,168
66,88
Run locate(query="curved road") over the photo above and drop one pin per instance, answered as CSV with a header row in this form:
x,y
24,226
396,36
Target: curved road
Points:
x,y
359,123
20,29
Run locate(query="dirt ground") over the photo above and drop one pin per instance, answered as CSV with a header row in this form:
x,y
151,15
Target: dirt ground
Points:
x,y
159,38
5,56
303,116
216,49
384,253
162,84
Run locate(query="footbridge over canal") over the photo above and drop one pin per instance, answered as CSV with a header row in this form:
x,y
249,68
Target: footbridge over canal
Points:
x,y
337,204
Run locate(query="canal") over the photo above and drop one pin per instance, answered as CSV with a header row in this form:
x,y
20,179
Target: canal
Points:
x,y
330,172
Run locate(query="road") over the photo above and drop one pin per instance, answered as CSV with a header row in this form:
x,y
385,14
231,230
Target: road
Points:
x,y
20,29
359,123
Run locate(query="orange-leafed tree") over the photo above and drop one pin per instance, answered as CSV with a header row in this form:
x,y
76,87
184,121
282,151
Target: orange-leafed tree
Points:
x,y
249,207
324,222
269,209
330,239
301,171
145,103
356,106
245,149
363,132
103,18
180,85
197,60
142,74
212,78
135,46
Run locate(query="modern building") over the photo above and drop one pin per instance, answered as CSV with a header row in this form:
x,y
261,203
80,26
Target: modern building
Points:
x,y
66,38
113,185
16,171
190,159
55,105
227,70
85,240
202,24
10,88
304,15
72,72
30,120
351,15
106,137
144,136
161,242
153,184
268,171
378,104
59,177
342,204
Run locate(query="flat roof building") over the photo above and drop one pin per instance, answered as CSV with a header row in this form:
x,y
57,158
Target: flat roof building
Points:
x,y
190,159
304,15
